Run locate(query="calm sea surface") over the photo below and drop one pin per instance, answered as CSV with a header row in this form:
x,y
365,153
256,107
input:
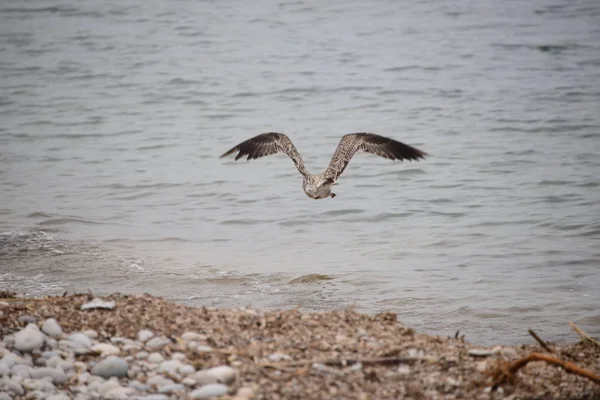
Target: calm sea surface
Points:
x,y
113,115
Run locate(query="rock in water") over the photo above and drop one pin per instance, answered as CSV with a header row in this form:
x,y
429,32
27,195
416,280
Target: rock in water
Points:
x,y
110,366
29,339
209,391
51,328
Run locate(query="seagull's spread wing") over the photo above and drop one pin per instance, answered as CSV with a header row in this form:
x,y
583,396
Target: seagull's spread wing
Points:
x,y
266,144
370,143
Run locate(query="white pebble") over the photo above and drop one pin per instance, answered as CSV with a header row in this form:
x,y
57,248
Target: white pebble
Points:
x,y
155,358
144,335
189,381
75,347
142,355
139,386
92,334
157,342
178,356
276,357
120,393
107,386
159,380
356,367
106,349
203,349
98,303
111,366
81,339
9,360
24,371
5,396
193,336
187,369
170,367
509,353
29,339
153,397
59,396
223,373
57,375
8,385
209,391
404,369
245,392
480,353
51,328
44,385
175,387
204,378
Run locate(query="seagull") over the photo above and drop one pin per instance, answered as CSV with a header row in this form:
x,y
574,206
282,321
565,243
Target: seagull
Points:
x,y
318,186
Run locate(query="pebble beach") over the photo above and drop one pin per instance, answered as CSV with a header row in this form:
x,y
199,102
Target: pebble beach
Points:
x,y
143,347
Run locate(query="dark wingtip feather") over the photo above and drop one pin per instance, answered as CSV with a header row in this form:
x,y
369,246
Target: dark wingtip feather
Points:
x,y
228,152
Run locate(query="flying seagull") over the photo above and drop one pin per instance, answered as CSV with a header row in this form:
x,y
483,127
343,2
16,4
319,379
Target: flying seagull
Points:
x,y
318,186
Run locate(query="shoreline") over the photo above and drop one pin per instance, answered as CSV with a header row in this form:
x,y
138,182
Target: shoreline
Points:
x,y
273,354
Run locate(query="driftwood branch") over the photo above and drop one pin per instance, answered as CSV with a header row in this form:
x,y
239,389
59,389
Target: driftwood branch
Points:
x,y
343,362
585,338
540,341
508,373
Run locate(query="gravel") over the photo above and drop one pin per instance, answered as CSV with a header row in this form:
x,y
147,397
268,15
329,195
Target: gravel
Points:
x,y
147,348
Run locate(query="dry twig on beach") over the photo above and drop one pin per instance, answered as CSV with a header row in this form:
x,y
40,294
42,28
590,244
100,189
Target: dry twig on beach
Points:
x,y
585,338
507,373
540,341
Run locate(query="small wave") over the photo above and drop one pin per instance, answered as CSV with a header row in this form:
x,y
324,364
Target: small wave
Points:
x,y
134,196
172,239
554,183
383,217
301,90
155,147
39,214
441,201
55,9
121,186
402,92
587,184
336,213
182,81
246,221
448,214
220,116
68,220
413,66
